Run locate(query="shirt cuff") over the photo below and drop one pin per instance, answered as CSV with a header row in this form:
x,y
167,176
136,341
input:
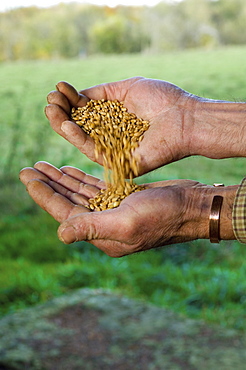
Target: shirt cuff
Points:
x,y
239,213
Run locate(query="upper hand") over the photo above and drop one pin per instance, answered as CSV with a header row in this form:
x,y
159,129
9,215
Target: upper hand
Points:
x,y
165,106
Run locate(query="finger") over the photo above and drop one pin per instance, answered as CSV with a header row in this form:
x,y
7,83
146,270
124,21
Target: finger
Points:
x,y
42,171
74,197
28,173
83,177
72,184
55,97
56,115
49,170
58,206
97,225
97,92
77,137
60,123
74,98
79,199
105,225
113,90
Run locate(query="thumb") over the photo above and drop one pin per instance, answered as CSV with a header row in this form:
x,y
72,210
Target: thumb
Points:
x,y
107,225
110,90
96,92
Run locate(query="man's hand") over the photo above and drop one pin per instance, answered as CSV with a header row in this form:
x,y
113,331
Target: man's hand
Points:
x,y
167,107
60,192
181,124
166,212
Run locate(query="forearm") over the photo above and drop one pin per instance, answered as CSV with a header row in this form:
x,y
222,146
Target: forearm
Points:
x,y
219,129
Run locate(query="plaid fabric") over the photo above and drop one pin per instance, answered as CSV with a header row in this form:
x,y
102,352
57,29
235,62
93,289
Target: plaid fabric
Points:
x,y
239,213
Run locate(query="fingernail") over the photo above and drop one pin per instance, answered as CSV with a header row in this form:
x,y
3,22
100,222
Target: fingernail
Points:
x,y
64,127
68,235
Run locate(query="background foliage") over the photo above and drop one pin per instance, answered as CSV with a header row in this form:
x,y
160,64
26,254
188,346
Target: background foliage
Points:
x,y
198,279
80,29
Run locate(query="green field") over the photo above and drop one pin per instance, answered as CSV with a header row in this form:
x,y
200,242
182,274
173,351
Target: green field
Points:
x,y
197,279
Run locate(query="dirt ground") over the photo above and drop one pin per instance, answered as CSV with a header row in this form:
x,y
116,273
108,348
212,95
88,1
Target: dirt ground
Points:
x,y
91,329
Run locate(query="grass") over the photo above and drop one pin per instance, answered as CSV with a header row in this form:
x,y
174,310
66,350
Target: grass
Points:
x,y
177,278
196,279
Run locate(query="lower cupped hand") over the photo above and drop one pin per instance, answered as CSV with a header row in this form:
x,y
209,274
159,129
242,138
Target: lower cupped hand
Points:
x,y
162,214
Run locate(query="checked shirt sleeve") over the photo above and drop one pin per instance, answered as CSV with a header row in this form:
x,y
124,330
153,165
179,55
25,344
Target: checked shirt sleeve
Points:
x,y
239,213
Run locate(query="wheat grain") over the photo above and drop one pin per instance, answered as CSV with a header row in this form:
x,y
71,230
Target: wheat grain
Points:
x,y
116,133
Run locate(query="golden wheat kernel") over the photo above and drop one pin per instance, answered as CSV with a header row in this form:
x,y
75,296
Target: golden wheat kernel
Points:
x,y
116,150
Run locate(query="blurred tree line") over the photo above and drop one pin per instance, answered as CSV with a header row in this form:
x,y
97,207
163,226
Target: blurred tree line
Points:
x,y
72,30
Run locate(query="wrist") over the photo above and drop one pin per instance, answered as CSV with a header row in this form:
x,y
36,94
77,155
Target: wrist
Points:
x,y
199,210
219,129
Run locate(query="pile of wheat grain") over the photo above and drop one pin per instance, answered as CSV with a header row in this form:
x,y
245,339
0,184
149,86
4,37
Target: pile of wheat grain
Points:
x,y
116,134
